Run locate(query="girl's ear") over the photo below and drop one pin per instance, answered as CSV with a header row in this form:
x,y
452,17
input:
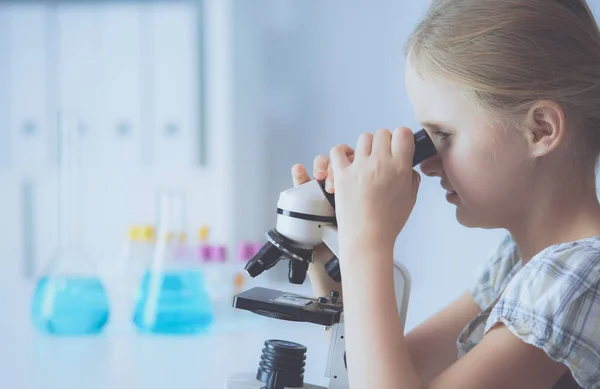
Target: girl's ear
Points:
x,y
545,128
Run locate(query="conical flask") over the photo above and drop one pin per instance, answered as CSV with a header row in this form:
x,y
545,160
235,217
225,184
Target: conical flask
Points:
x,y
70,297
172,297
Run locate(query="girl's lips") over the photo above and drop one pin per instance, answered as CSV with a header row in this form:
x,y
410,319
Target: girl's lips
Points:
x,y
451,196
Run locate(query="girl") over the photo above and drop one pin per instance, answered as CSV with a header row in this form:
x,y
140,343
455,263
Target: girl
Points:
x,y
510,92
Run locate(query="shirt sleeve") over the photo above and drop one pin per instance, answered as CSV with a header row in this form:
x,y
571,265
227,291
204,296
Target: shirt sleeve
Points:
x,y
491,275
553,303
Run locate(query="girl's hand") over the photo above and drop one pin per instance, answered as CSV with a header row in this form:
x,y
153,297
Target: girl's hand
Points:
x,y
376,192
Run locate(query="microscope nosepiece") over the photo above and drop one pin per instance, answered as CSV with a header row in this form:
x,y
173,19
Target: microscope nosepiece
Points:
x,y
276,248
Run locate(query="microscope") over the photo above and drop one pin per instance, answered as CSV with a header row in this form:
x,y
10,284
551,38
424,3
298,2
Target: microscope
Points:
x,y
306,218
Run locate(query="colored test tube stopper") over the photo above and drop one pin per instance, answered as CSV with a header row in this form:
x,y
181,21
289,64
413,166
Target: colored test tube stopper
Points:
x,y
244,251
218,253
203,233
204,252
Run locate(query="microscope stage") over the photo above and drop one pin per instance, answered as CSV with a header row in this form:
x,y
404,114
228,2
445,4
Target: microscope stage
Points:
x,y
288,306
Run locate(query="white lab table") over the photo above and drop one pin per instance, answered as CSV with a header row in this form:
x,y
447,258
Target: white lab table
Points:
x,y
124,359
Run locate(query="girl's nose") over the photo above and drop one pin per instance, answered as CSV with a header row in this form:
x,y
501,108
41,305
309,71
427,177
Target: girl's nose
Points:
x,y
432,167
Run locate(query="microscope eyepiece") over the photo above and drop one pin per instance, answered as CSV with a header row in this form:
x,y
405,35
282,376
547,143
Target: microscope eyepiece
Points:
x,y
424,147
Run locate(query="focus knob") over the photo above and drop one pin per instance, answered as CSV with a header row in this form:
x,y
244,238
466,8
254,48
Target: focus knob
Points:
x,y
332,267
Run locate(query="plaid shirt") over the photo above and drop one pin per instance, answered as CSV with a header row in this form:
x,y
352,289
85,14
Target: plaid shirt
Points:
x,y
553,303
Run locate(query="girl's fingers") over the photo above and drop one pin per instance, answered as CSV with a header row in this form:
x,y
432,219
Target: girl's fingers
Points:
x,y
320,165
299,175
330,179
364,144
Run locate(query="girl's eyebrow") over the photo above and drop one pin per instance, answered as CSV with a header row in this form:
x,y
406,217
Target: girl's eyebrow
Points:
x,y
436,124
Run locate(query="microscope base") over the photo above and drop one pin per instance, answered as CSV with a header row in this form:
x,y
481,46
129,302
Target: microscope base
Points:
x,y
249,381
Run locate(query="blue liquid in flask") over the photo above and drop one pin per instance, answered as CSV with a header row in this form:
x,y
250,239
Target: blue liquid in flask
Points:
x,y
174,302
70,305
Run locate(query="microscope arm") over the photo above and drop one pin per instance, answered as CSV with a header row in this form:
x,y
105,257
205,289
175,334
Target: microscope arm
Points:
x,y
330,238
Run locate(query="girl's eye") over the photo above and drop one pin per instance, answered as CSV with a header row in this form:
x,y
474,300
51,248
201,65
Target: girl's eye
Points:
x,y
443,135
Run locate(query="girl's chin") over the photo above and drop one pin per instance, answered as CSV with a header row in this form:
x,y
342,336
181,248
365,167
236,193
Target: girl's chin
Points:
x,y
470,219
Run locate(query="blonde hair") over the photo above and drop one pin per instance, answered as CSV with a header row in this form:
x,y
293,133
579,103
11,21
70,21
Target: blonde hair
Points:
x,y
509,54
